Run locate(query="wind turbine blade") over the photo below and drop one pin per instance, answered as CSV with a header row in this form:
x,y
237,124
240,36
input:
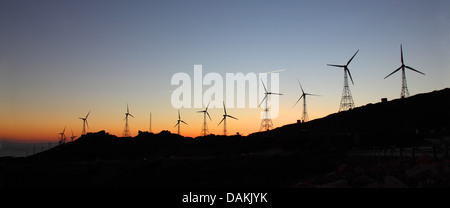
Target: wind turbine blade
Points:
x,y
221,121
336,65
131,115
87,124
300,86
179,114
348,71
297,101
262,100
64,130
352,57
393,72
87,115
208,115
207,106
232,117
401,53
275,71
264,86
224,109
127,109
81,118
414,70
274,93
184,122
311,94
177,124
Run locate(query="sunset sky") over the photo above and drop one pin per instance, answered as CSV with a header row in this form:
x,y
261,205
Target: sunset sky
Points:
x,y
61,59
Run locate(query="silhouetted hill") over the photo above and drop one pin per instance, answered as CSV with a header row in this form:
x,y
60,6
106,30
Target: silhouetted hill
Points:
x,y
283,157
398,122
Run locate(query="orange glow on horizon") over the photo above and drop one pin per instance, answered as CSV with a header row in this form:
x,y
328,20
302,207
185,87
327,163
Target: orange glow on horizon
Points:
x,y
31,130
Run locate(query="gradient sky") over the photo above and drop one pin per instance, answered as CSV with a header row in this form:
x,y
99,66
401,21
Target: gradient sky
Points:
x,y
60,59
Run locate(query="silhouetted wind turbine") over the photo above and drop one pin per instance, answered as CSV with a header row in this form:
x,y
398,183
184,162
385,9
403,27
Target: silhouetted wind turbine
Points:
x,y
224,119
179,121
266,121
126,131
305,114
205,130
150,125
83,132
72,137
347,99
404,92
62,138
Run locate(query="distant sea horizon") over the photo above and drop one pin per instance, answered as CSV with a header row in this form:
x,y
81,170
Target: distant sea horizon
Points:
x,y
21,148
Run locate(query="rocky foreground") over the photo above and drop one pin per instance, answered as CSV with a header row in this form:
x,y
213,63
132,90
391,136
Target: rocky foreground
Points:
x,y
361,173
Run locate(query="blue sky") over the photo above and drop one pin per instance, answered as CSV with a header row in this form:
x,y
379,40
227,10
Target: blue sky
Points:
x,y
59,59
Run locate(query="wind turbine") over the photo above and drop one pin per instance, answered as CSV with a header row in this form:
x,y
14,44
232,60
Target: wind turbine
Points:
x,y
266,121
347,99
62,138
126,131
205,130
83,132
72,137
404,92
305,114
150,125
224,119
179,121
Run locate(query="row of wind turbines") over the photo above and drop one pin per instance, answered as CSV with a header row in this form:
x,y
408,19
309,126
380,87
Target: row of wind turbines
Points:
x,y
62,136
266,123
126,132
205,112
347,100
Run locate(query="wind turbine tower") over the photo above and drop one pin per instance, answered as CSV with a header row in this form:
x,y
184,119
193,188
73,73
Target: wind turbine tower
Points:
x,y
150,126
205,130
266,122
126,131
85,122
224,119
62,138
404,92
305,117
346,99
179,121
72,137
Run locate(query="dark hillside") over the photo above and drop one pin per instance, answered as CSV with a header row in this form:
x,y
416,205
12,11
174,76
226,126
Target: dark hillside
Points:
x,y
282,157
